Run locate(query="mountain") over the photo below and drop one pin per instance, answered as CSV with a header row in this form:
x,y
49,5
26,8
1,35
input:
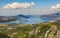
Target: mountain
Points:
x,y
12,18
54,16
23,16
33,16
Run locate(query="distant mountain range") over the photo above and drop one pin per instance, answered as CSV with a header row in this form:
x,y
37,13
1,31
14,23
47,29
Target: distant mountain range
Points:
x,y
16,17
12,18
54,16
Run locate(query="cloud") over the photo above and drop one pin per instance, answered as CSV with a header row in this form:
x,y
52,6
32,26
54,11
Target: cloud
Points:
x,y
19,5
35,11
56,7
53,9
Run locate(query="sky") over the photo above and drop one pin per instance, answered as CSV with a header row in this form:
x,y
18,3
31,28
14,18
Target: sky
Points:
x,y
15,7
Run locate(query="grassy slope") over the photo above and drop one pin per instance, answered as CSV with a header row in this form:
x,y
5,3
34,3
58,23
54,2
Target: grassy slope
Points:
x,y
23,31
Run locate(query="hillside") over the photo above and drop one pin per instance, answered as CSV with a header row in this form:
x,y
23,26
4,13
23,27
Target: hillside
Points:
x,y
42,30
12,18
54,16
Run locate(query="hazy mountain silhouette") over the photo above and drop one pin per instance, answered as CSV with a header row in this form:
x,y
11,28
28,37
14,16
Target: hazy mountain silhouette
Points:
x,y
54,16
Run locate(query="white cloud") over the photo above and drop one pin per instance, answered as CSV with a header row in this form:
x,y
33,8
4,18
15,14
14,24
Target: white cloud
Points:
x,y
53,9
19,5
56,7
36,11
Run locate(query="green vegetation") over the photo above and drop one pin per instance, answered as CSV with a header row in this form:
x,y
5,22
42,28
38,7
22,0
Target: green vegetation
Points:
x,y
3,35
43,29
30,31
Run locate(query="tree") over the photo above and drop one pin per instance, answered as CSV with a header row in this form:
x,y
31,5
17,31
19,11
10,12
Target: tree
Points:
x,y
3,35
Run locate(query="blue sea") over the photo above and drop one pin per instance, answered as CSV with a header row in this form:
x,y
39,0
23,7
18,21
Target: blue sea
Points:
x,y
29,21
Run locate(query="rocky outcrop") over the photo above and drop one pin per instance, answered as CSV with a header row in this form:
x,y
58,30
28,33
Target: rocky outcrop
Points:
x,y
53,29
58,33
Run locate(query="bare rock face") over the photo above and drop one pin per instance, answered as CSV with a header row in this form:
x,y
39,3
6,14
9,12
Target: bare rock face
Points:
x,y
58,34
